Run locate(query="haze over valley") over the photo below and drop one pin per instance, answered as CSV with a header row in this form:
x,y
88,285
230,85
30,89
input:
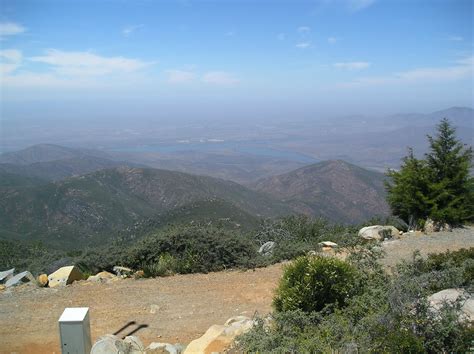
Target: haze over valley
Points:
x,y
239,176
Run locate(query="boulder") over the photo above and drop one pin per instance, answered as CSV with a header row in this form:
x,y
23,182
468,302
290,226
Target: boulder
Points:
x,y
101,277
139,274
64,276
267,248
219,338
433,226
7,274
110,344
378,232
2,287
328,244
122,271
164,348
135,345
450,296
42,280
430,226
20,278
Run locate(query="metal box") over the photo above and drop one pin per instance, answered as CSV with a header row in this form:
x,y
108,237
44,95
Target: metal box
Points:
x,y
75,331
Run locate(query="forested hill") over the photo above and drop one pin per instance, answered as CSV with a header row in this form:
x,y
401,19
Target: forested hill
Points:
x,y
90,209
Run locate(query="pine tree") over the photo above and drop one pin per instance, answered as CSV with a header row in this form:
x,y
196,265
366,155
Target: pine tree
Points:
x,y
451,186
408,191
439,187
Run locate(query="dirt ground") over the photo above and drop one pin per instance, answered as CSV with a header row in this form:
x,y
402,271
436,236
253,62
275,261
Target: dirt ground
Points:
x,y
436,242
175,309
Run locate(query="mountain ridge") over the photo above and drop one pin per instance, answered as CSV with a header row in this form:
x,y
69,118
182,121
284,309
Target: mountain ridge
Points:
x,y
334,189
89,209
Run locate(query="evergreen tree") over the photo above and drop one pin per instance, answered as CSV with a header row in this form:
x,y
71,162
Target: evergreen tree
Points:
x,y
439,187
408,191
451,186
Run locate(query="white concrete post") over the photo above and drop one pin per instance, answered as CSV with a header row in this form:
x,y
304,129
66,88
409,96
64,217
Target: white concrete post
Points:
x,y
75,331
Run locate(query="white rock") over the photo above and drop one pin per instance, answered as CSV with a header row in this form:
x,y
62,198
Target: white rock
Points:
x,y
101,277
7,274
378,232
163,348
20,278
328,244
110,344
135,345
267,248
450,296
122,271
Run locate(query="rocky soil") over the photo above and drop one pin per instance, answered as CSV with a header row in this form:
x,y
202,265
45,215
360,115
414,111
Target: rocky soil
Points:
x,y
435,242
175,309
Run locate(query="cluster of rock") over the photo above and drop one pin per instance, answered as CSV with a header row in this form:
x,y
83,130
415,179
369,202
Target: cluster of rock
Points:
x,y
433,226
8,278
63,276
217,339
111,344
369,233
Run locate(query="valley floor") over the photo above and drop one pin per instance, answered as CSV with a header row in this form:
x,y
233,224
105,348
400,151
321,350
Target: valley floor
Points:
x,y
175,309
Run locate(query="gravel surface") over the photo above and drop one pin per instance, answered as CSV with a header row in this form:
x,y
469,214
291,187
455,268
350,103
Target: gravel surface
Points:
x,y
435,242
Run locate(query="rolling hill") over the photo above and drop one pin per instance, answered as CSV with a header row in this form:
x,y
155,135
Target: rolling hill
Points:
x,y
337,190
52,162
46,153
91,209
59,169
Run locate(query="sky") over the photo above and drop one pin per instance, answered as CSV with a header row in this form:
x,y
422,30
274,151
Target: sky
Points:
x,y
233,58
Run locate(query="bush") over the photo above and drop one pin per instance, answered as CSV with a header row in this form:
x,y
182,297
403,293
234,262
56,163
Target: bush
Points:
x,y
193,249
166,265
440,271
295,236
385,314
314,283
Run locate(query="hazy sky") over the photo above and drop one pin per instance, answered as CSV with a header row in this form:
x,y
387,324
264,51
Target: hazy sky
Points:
x,y
104,57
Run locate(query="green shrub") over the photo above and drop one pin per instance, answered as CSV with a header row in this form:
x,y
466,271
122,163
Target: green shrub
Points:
x,y
166,265
387,313
296,235
193,249
313,283
440,271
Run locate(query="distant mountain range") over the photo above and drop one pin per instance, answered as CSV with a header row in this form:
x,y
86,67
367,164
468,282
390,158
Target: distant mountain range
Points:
x,y
62,203
50,162
53,162
379,142
459,116
335,190
46,153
